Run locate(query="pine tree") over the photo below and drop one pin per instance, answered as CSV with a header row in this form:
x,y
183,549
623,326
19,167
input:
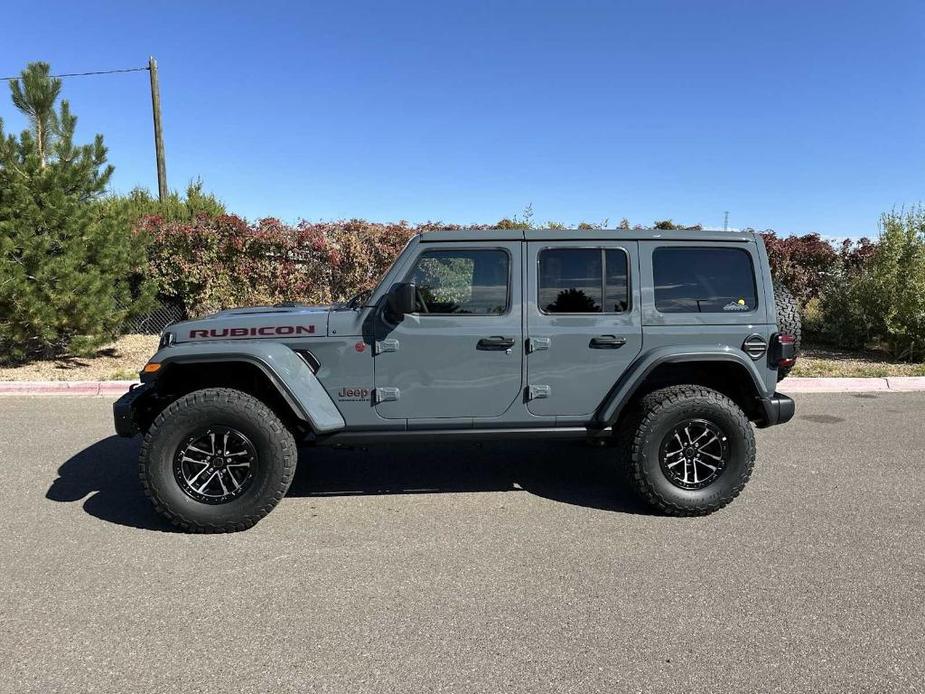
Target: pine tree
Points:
x,y
67,264
36,100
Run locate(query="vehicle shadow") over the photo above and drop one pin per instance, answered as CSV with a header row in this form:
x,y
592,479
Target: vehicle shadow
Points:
x,y
104,475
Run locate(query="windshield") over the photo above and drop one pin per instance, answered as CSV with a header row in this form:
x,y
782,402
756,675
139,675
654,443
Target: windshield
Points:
x,y
361,298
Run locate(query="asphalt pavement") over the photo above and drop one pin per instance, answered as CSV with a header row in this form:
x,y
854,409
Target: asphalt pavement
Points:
x,y
522,567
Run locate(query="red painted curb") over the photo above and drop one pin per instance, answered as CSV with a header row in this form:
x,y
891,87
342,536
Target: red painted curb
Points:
x,y
115,387
64,387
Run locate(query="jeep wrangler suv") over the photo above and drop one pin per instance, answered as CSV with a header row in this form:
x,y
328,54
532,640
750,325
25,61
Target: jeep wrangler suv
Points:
x,y
666,344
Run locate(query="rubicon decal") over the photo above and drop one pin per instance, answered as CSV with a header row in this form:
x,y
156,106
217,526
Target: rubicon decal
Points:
x,y
263,331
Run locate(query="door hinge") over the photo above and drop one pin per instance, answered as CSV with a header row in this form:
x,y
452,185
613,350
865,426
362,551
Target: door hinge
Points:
x,y
386,394
390,345
538,392
535,344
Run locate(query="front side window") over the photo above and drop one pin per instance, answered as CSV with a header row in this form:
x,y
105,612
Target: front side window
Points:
x,y
703,280
582,280
466,282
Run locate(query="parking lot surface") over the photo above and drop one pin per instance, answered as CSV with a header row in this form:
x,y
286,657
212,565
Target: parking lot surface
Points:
x,y
522,567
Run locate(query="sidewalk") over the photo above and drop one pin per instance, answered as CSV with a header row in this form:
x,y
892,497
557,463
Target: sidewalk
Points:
x,y
897,384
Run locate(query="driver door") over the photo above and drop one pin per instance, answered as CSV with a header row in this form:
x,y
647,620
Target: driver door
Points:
x,y
460,353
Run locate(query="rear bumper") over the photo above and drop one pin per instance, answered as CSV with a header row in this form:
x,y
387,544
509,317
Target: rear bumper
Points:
x,y
778,409
123,410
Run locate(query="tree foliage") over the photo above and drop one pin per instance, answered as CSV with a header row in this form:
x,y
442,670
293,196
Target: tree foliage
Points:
x,y
668,224
35,94
139,203
892,289
66,271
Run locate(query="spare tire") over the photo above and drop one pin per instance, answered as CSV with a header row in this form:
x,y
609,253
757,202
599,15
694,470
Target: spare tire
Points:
x,y
788,321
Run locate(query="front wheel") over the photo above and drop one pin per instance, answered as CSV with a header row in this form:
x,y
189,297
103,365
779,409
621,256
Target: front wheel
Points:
x,y
690,449
217,460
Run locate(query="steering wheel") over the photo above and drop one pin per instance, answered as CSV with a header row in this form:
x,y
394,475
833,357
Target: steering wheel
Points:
x,y
420,297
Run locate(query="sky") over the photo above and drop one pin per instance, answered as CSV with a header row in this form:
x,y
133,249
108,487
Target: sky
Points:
x,y
801,116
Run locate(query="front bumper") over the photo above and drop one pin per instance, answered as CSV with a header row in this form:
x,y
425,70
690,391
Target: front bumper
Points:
x,y
123,409
778,409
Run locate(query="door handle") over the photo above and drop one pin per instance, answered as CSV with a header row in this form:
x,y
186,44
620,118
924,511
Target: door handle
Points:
x,y
495,343
607,342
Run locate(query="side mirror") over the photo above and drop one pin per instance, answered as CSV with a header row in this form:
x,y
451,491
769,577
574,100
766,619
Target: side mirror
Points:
x,y
401,299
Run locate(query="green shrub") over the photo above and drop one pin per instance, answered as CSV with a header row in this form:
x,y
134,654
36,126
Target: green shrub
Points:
x,y
68,269
139,203
841,319
876,293
892,290
812,317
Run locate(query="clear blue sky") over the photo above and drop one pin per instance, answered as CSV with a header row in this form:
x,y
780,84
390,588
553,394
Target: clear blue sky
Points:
x,y
799,116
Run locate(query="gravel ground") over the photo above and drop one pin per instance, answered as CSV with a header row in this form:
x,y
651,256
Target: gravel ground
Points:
x,y
816,362
121,360
503,568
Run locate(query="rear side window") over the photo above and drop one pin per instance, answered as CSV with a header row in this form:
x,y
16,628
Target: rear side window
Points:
x,y
703,280
582,280
467,282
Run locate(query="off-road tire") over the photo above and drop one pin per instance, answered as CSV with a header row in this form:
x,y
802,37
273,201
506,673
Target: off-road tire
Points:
x,y
642,431
276,460
788,321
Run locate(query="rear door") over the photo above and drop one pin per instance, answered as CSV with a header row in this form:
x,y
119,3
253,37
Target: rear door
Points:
x,y
707,293
583,323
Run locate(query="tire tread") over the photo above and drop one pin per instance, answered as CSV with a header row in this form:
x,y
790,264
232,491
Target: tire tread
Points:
x,y
208,398
637,424
788,321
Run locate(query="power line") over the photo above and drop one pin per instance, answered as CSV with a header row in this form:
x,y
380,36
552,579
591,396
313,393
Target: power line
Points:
x,y
150,68
84,74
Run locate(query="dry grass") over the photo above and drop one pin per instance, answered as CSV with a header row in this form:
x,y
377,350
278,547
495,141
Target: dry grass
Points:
x,y
121,360
821,362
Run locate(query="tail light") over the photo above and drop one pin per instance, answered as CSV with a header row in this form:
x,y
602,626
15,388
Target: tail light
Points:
x,y
784,349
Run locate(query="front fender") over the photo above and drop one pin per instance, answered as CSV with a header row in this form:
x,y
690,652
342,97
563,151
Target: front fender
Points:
x,y
635,376
288,373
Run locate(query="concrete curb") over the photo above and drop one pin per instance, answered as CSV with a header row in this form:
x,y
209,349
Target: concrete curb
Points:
x,y
103,388
896,384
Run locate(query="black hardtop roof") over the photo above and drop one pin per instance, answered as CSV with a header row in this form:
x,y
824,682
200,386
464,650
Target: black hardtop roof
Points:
x,y
583,235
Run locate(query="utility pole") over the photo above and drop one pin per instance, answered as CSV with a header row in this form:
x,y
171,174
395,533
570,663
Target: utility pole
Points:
x,y
726,220
158,131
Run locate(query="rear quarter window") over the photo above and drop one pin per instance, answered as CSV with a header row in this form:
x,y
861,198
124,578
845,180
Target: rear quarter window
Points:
x,y
704,280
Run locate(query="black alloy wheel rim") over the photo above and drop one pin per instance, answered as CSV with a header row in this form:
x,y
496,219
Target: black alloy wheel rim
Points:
x,y
215,465
694,454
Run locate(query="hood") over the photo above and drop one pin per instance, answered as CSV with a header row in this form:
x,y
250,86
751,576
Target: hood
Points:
x,y
256,322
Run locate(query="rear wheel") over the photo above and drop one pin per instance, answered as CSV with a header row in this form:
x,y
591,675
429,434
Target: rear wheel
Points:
x,y
690,449
217,460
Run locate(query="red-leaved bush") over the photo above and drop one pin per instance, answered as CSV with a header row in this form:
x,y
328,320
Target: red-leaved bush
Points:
x,y
806,263
219,262
801,263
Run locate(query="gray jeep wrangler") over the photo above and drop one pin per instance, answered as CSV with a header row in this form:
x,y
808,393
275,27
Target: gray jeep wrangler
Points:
x,y
666,344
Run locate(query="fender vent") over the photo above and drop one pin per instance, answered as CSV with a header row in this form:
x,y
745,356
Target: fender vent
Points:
x,y
309,359
755,346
